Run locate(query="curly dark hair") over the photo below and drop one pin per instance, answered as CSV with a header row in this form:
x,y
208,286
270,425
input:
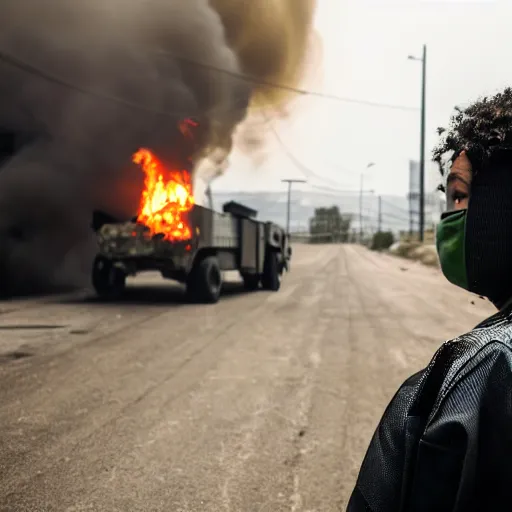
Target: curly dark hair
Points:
x,y
480,129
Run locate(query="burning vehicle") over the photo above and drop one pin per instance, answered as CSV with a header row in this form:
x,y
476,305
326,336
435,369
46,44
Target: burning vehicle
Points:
x,y
184,241
76,103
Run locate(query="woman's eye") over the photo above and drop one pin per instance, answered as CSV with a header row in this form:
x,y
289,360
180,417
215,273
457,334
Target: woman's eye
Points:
x,y
457,197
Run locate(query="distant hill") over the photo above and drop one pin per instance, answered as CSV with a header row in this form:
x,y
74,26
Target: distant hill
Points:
x,y
272,206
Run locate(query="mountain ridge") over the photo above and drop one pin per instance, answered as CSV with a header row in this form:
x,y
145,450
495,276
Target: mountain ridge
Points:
x,y
272,206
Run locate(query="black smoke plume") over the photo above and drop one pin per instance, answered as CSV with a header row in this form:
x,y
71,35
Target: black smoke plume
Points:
x,y
83,85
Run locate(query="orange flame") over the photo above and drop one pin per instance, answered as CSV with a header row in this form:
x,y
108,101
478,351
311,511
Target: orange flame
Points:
x,y
166,199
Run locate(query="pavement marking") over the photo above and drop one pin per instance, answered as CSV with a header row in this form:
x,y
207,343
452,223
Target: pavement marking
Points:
x,y
296,498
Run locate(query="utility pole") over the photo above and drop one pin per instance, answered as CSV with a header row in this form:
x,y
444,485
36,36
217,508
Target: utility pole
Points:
x,y
379,225
361,210
410,219
422,143
423,61
371,164
290,182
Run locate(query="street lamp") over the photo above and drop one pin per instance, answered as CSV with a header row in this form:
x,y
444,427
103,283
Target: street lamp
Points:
x,y
370,164
423,61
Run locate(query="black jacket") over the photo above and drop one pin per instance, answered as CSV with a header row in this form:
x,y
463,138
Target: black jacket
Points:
x,y
444,443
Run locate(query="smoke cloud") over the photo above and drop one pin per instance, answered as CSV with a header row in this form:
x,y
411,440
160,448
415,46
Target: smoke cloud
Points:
x,y
91,82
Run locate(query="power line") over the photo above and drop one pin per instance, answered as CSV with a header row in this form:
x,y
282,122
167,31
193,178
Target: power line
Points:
x,y
395,217
397,208
297,90
50,77
30,68
306,171
338,191
401,218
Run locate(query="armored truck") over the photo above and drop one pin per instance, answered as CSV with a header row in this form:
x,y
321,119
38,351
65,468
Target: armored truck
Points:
x,y
231,240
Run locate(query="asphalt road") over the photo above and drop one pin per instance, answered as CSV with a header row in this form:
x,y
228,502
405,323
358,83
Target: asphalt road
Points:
x,y
264,402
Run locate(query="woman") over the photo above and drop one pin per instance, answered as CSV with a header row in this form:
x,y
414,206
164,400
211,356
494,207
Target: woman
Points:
x,y
444,443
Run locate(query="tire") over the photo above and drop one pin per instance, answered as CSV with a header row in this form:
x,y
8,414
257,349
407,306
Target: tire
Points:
x,y
108,281
251,281
271,279
205,282
190,285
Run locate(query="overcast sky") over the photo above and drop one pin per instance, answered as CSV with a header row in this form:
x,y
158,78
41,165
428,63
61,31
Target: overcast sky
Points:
x,y
365,44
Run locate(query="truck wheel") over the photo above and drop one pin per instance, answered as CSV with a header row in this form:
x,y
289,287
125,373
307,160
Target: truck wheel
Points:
x,y
191,287
271,279
251,281
205,283
108,281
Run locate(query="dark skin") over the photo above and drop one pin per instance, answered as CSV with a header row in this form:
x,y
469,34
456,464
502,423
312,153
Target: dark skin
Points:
x,y
458,183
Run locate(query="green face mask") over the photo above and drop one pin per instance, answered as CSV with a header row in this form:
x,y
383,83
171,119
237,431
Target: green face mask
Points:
x,y
450,243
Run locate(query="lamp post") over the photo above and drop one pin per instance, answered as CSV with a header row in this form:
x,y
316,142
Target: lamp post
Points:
x,y
370,164
423,60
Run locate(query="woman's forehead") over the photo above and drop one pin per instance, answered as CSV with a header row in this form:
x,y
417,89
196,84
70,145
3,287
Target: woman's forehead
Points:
x,y
461,164
459,170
